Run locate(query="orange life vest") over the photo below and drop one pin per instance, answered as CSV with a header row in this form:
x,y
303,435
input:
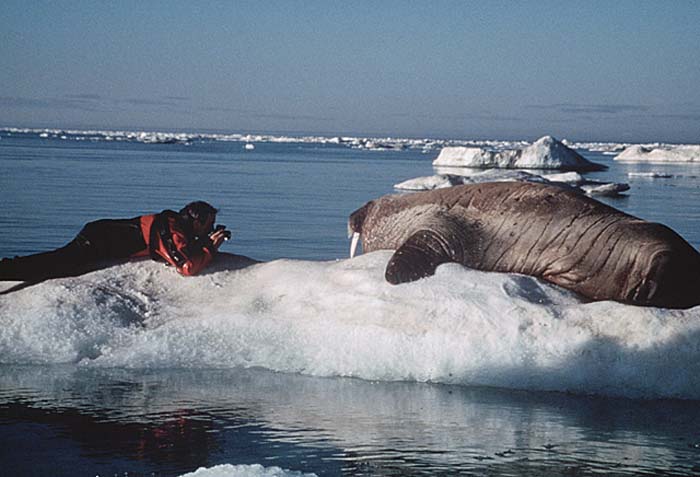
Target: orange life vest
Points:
x,y
166,239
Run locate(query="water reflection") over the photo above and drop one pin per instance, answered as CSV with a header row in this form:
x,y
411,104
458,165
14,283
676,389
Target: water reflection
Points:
x,y
116,420
179,440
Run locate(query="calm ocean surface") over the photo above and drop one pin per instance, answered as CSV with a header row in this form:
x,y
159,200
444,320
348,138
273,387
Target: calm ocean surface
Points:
x,y
284,200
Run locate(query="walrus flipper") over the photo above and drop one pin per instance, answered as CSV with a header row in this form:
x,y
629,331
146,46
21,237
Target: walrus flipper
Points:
x,y
418,257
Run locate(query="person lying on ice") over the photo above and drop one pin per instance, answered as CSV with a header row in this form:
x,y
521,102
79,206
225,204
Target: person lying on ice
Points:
x,y
186,239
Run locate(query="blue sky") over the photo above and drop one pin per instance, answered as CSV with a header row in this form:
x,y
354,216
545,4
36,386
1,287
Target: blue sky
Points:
x,y
622,70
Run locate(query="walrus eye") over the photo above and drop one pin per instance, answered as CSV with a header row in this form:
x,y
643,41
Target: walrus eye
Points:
x,y
353,244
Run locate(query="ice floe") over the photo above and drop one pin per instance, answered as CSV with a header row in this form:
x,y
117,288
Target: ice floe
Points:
x,y
609,189
254,470
341,318
546,153
573,180
438,181
660,153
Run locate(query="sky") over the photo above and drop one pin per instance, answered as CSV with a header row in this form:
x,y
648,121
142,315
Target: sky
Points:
x,y
587,71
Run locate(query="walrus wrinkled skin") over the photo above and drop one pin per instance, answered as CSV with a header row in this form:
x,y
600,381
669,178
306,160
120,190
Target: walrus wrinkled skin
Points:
x,y
545,231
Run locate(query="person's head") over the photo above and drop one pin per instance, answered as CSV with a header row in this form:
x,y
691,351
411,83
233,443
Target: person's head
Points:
x,y
200,215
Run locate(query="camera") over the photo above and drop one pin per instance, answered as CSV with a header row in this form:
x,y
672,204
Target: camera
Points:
x,y
227,233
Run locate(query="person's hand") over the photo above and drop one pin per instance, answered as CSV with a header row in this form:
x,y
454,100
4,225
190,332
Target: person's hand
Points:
x,y
218,237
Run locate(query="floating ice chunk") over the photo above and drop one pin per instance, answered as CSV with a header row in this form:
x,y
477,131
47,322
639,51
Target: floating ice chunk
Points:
x,y
387,144
255,470
545,153
604,189
499,175
588,187
661,153
573,180
550,152
467,175
473,157
158,138
652,174
606,148
439,181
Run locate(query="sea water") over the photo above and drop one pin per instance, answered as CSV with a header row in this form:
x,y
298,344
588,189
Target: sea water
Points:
x,y
309,362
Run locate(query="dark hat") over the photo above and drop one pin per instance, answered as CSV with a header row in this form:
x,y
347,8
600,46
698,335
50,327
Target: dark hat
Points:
x,y
198,210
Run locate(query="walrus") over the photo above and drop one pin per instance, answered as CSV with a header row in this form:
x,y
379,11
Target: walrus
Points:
x,y
545,231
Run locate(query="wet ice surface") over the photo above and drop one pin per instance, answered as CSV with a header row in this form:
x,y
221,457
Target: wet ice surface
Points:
x,y
341,318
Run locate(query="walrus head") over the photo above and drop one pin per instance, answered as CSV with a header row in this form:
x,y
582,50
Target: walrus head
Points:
x,y
355,223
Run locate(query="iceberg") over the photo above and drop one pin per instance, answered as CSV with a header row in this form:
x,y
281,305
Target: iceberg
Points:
x,y
661,153
545,153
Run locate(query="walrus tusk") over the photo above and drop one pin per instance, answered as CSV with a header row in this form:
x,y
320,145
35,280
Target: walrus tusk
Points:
x,y
353,244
